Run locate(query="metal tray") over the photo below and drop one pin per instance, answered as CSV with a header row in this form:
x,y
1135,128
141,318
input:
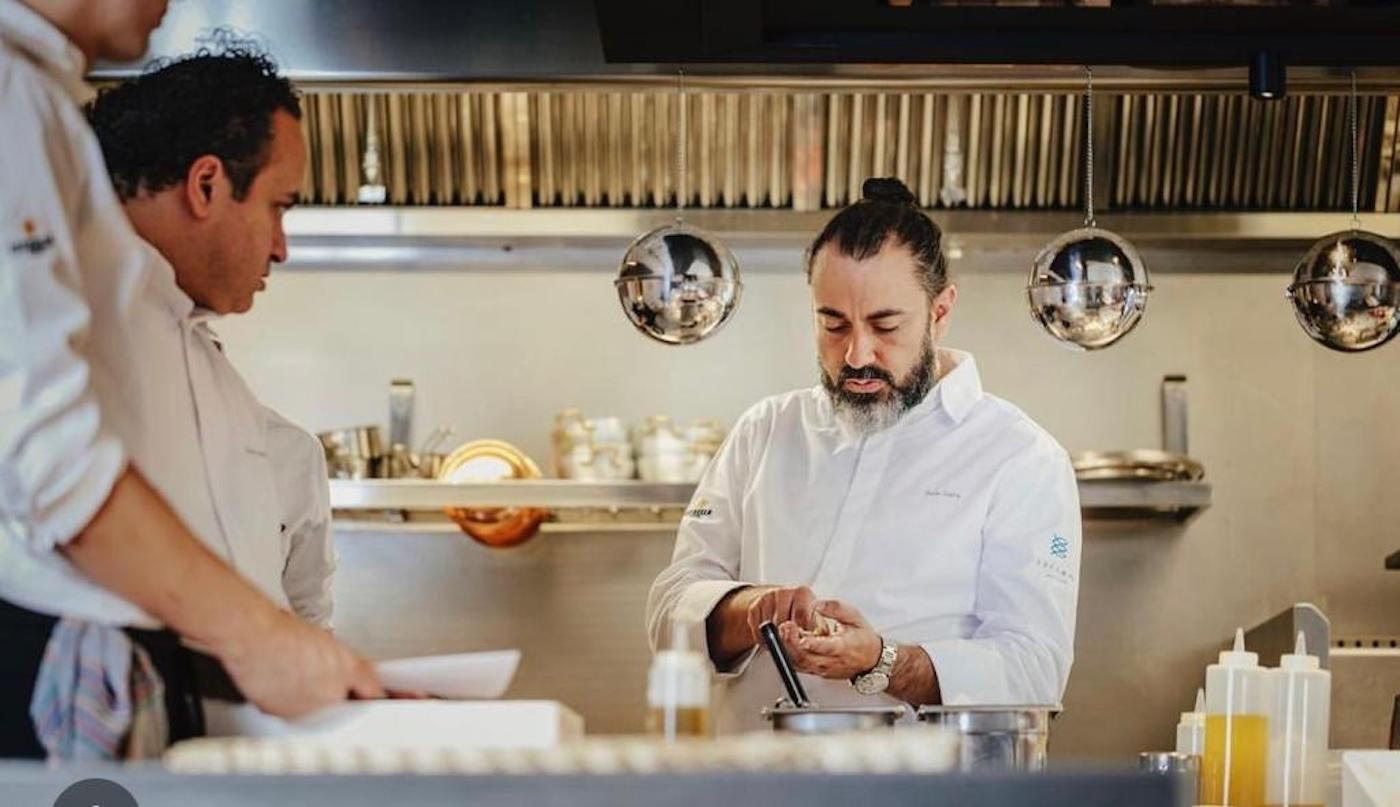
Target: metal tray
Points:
x,y
1141,464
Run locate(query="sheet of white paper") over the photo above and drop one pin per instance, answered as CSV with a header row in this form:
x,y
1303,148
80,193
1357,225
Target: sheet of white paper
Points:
x,y
459,675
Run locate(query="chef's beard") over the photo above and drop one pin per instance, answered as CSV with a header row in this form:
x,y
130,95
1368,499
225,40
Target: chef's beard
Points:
x,y
870,412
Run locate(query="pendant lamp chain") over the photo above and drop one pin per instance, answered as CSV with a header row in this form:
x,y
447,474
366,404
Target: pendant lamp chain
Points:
x,y
1089,150
681,143
1355,160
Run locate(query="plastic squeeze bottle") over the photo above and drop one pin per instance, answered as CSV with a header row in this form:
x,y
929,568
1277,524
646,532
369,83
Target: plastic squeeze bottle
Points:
x,y
1234,769
678,690
1191,731
1298,735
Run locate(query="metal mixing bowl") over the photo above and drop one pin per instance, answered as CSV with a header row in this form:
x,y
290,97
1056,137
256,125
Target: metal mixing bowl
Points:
x,y
829,719
996,738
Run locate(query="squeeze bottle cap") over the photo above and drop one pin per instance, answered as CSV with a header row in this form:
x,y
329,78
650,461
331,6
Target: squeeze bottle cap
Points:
x,y
1239,657
1197,716
1298,660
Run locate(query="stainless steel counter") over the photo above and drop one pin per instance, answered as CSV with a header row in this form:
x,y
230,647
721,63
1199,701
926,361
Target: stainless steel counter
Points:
x,y
36,784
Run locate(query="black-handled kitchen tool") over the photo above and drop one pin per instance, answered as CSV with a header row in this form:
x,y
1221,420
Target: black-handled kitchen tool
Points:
x,y
769,632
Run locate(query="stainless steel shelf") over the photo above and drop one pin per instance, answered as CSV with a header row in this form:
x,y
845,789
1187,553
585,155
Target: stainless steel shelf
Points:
x,y
1101,500
1113,500
415,494
446,527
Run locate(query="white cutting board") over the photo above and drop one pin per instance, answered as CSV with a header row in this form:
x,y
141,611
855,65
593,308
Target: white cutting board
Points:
x,y
457,722
408,724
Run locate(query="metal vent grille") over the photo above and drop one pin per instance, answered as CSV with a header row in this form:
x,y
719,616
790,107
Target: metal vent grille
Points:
x,y
809,150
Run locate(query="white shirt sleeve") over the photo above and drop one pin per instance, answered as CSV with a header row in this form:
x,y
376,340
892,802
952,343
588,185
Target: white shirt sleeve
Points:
x,y
304,509
705,564
58,462
1027,590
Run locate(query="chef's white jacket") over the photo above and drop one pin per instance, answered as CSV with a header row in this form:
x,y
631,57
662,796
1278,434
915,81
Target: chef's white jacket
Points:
x,y
210,457
956,529
264,506
105,361
71,274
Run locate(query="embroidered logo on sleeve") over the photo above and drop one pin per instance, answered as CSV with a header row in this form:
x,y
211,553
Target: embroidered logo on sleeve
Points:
x,y
33,241
700,510
1053,560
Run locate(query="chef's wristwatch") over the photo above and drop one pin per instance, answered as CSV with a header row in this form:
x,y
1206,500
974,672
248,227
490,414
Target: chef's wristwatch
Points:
x,y
877,679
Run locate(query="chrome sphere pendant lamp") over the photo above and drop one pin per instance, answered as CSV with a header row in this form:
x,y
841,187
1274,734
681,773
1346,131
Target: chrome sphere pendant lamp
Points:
x,y
1088,288
1346,288
678,284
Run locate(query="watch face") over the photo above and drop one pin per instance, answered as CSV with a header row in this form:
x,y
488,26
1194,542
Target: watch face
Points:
x,y
872,683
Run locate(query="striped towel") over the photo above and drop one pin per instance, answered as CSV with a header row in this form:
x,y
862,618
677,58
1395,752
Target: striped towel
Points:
x,y
97,697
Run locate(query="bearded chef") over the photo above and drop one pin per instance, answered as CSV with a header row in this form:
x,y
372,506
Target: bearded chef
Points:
x,y
915,539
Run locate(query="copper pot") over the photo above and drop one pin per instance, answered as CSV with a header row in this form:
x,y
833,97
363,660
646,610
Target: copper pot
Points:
x,y
491,461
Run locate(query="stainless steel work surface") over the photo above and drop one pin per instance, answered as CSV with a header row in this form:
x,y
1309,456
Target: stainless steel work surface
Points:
x,y
35,784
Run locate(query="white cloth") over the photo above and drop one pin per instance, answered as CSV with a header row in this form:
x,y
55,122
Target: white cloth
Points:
x,y
71,272
97,696
957,529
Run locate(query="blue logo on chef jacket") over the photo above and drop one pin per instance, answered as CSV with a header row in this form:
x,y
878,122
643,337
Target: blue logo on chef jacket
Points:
x,y
1054,564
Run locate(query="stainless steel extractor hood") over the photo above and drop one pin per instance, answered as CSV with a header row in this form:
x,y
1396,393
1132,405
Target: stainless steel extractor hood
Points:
x,y
513,106
806,150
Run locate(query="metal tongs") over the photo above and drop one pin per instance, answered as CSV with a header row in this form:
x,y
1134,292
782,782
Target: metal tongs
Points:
x,y
796,695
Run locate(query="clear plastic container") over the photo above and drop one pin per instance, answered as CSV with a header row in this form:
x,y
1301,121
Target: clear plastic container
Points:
x,y
1298,730
1239,700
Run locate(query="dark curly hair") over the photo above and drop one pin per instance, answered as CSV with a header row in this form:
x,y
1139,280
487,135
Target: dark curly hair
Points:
x,y
153,127
887,211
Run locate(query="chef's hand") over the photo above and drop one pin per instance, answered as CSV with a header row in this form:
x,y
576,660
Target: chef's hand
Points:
x,y
779,605
289,667
732,626
850,651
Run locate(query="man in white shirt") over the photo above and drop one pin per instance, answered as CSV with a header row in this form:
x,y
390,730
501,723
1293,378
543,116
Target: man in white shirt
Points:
x,y
915,540
206,154
83,535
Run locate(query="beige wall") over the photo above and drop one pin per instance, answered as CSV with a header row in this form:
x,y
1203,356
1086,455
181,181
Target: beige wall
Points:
x,y
1295,439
